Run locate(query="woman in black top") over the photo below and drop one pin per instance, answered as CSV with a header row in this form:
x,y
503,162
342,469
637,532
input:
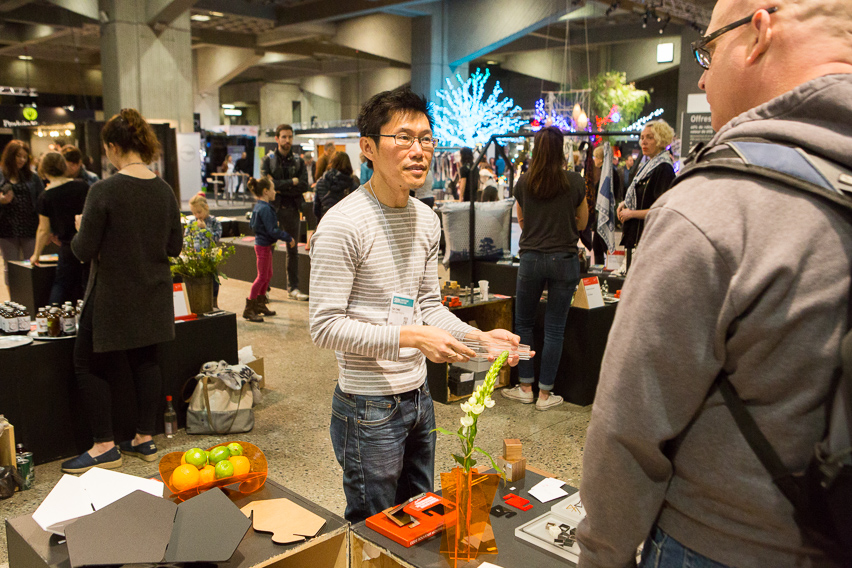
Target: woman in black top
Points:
x,y
552,209
19,191
129,228
464,173
652,180
336,183
57,207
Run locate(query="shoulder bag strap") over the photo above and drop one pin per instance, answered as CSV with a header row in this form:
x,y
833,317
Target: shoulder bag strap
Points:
x,y
205,379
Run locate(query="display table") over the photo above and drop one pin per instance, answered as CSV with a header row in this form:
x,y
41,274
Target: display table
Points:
x,y
243,264
30,285
491,314
31,547
41,399
382,552
502,276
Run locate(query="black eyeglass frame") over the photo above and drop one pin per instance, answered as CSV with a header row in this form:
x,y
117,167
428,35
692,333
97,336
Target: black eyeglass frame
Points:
x,y
699,47
413,138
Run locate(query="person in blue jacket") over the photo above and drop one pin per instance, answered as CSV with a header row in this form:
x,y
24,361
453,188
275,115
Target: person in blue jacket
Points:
x,y
264,222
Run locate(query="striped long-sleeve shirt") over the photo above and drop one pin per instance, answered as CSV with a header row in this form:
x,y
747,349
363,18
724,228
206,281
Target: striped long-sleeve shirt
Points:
x,y
358,261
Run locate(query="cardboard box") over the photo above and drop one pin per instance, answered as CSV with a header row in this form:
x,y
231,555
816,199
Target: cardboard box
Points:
x,y
7,446
257,367
514,470
512,450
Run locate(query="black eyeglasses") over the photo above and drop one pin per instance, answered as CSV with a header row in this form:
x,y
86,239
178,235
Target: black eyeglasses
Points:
x,y
407,141
699,48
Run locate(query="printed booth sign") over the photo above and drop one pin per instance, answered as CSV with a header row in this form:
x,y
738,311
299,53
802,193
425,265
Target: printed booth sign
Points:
x,y
588,294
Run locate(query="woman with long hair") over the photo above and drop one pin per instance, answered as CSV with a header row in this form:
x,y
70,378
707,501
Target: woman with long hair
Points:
x,y
464,173
20,189
129,228
337,182
551,209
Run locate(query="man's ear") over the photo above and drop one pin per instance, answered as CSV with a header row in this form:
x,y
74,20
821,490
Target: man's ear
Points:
x,y
762,28
368,148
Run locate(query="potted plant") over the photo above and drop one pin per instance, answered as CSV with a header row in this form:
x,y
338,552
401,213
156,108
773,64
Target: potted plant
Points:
x,y
472,492
198,265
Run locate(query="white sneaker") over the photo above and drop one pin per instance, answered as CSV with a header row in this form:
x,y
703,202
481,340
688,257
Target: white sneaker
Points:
x,y
518,394
295,294
549,402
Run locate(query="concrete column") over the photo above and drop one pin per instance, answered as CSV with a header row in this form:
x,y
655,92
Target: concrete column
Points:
x,y
146,69
430,51
690,73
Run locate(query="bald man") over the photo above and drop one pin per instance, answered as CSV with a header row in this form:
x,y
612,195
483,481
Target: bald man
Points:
x,y
757,285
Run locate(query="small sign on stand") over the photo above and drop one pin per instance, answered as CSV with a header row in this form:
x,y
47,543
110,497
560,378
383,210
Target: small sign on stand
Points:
x,y
615,259
181,301
589,295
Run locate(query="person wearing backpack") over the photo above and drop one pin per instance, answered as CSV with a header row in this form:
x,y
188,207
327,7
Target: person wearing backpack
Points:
x,y
743,280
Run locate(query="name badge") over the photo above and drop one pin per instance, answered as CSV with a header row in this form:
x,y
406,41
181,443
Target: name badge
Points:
x,y
401,310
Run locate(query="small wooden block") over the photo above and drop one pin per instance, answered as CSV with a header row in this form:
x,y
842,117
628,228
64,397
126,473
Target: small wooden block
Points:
x,y
515,470
512,450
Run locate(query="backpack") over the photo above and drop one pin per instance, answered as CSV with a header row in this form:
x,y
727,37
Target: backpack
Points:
x,y
822,494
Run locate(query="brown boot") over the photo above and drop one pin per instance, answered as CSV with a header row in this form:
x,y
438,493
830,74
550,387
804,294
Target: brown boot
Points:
x,y
261,306
249,313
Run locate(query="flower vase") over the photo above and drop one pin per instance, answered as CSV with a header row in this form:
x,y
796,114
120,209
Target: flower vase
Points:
x,y
199,290
472,494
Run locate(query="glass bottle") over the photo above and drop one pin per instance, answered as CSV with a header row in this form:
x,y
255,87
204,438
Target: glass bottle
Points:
x,y
54,325
41,322
67,320
170,419
23,320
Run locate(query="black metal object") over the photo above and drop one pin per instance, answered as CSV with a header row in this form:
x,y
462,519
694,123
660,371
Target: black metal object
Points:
x,y
471,177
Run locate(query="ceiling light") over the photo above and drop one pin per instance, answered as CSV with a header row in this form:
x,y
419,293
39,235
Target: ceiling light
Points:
x,y
228,106
67,132
233,112
199,18
665,23
217,14
25,57
491,63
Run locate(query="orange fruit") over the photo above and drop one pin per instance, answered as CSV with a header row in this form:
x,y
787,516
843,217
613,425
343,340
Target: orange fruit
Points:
x,y
185,477
241,464
183,459
207,475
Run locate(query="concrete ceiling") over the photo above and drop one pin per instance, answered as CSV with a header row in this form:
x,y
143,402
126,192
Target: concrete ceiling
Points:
x,y
67,31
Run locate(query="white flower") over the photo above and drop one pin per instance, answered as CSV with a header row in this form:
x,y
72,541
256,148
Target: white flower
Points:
x,y
477,409
489,402
466,421
472,400
465,407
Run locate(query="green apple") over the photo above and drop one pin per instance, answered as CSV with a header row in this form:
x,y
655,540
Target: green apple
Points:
x,y
235,449
196,457
218,454
224,469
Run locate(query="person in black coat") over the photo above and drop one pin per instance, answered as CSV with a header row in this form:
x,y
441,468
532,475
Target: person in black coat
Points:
x,y
129,228
337,182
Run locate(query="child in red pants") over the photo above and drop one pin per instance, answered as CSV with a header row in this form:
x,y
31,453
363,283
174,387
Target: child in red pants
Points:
x,y
266,231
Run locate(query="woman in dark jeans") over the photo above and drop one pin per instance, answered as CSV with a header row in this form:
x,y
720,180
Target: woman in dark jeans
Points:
x,y
57,207
20,189
552,209
129,228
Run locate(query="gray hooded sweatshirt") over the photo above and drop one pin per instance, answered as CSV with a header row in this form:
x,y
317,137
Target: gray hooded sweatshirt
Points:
x,y
738,273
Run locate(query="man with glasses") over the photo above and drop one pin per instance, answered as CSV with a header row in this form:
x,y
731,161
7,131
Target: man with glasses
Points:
x,y
756,288
374,283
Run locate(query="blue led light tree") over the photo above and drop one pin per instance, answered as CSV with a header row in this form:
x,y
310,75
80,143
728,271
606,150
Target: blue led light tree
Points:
x,y
464,118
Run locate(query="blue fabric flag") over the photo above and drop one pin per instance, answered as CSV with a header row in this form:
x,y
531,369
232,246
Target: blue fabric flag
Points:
x,y
605,205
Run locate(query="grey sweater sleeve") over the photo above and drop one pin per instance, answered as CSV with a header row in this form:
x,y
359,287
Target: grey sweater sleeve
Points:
x,y
651,384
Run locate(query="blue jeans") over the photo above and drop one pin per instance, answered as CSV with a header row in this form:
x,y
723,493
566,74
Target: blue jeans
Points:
x,y
385,446
561,273
662,551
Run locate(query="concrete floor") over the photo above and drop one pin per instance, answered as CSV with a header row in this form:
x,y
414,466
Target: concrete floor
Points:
x,y
291,424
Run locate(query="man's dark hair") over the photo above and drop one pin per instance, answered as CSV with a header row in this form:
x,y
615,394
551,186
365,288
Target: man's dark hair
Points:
x,y
72,154
281,127
379,110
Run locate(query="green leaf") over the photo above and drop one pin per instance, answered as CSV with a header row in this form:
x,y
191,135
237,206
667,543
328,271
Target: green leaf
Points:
x,y
459,459
493,463
447,432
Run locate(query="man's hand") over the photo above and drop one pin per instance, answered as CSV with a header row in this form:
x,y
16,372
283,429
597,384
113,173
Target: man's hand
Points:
x,y
34,260
292,243
438,345
500,335
77,220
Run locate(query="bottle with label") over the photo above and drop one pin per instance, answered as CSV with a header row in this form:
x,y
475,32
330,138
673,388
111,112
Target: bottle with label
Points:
x,y
23,320
170,419
41,322
54,323
67,320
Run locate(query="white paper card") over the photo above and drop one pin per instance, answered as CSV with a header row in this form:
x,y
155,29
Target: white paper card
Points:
x,y
66,502
401,310
548,489
104,486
